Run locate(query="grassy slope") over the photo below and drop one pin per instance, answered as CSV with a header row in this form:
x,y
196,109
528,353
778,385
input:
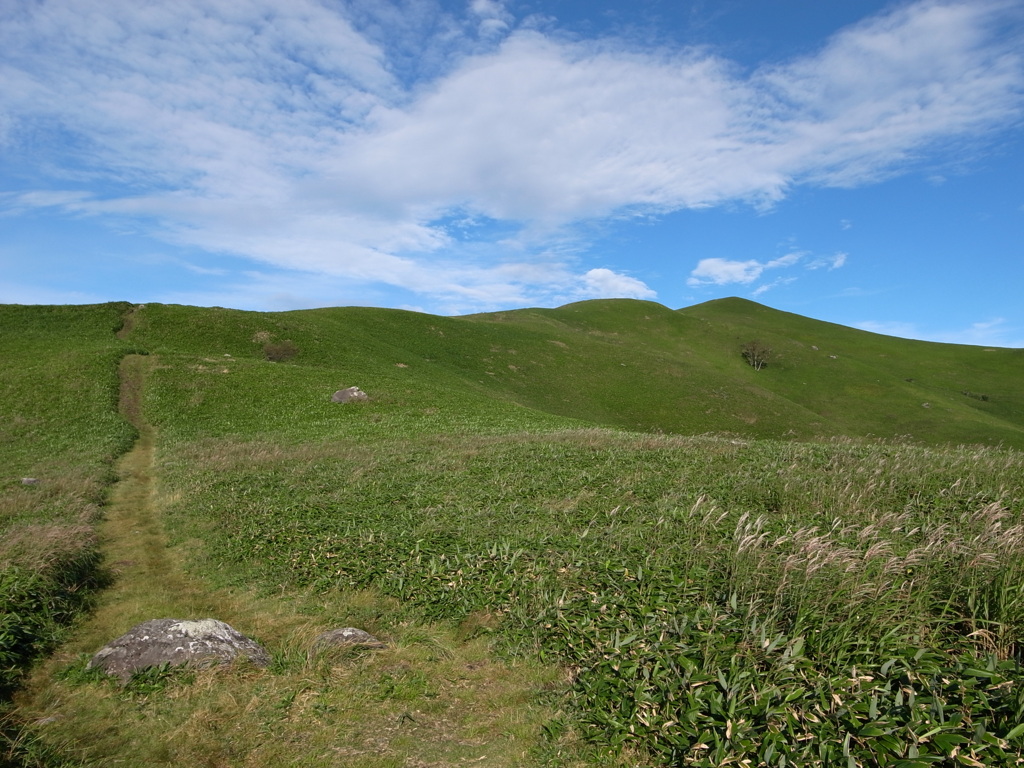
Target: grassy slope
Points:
x,y
59,380
773,567
213,380
623,363
58,424
879,384
467,423
643,366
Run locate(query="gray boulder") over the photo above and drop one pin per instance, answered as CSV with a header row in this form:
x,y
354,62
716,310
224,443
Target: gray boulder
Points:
x,y
348,395
336,638
202,643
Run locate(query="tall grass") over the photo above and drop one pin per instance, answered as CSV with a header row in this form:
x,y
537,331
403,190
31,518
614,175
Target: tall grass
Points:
x,y
717,601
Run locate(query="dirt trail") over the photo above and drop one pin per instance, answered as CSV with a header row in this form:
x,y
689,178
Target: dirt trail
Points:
x,y
133,537
149,581
128,321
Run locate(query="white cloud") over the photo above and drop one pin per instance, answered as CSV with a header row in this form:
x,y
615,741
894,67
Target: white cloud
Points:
x,y
196,268
47,199
786,261
994,333
282,133
606,284
718,271
272,292
882,91
487,9
726,272
494,19
762,289
836,261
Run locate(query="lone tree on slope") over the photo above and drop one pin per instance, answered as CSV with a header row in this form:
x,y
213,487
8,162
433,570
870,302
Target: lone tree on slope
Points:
x,y
756,353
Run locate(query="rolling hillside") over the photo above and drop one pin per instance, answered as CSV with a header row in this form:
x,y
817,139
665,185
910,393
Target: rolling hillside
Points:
x,y
606,487
629,364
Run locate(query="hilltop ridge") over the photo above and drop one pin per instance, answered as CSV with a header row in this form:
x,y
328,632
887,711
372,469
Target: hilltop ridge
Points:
x,y
631,364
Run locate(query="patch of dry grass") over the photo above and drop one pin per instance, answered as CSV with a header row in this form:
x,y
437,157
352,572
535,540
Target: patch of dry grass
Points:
x,y
430,698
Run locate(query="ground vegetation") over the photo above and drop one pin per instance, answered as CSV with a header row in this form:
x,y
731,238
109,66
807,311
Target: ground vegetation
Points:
x,y
591,535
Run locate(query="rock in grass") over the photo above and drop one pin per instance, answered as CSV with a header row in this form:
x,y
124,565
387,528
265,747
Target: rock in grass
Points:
x,y
29,481
348,395
336,638
203,643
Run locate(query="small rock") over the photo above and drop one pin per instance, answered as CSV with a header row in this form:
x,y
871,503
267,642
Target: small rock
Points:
x,y
176,642
335,638
348,395
29,481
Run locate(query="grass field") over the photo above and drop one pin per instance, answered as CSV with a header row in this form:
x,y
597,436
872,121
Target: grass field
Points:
x,y
602,505
59,426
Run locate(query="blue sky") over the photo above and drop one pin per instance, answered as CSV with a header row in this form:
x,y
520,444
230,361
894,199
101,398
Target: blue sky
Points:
x,y
858,162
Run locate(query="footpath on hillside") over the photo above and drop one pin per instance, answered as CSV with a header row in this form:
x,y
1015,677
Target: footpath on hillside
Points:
x,y
430,697
148,582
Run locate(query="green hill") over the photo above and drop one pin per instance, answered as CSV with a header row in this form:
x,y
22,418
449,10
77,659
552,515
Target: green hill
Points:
x,y
622,363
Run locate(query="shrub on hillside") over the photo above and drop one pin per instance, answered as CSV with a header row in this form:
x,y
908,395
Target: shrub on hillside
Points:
x,y
756,353
280,351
